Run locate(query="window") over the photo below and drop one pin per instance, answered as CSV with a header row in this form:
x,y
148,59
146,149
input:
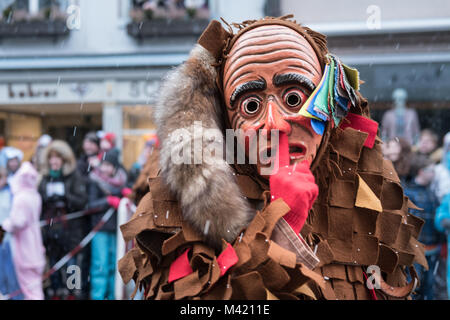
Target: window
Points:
x,y
169,9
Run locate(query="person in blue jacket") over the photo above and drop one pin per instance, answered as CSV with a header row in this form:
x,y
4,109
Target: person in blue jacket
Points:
x,y
8,278
442,219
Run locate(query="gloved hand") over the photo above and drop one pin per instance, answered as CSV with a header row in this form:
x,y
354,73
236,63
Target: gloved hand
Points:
x,y
126,192
113,201
295,185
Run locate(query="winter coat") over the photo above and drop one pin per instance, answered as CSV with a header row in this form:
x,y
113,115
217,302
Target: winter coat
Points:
x,y
5,202
83,165
23,222
443,212
424,198
99,188
441,182
70,197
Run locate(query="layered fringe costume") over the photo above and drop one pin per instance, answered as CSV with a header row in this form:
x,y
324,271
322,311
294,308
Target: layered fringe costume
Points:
x,y
211,231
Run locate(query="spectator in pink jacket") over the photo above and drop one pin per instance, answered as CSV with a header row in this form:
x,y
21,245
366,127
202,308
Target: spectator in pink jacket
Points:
x,y
23,224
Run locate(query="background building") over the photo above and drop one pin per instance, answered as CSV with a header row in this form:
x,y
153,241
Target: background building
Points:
x,y
71,66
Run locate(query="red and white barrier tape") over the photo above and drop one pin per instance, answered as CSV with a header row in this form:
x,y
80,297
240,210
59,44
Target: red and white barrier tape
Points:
x,y
58,265
70,216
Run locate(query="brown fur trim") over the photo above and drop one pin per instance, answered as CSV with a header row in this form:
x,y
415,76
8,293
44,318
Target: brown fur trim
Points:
x,y
189,96
61,148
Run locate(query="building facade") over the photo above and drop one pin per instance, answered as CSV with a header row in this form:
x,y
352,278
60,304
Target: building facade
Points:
x,y
71,66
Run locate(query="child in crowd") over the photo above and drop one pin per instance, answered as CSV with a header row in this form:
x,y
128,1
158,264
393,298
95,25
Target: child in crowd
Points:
x,y
23,224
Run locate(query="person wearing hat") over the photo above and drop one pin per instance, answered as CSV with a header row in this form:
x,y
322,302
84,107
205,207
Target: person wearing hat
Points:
x,y
104,190
11,158
311,208
63,191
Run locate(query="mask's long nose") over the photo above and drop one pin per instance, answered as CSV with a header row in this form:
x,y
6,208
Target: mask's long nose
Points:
x,y
274,119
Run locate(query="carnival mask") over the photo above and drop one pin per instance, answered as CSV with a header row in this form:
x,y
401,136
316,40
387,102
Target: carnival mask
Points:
x,y
269,74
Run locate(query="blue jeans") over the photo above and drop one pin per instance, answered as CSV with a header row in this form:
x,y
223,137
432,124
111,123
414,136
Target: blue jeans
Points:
x,y
8,279
103,263
427,277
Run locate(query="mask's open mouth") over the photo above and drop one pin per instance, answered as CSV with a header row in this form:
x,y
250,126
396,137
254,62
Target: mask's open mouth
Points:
x,y
296,151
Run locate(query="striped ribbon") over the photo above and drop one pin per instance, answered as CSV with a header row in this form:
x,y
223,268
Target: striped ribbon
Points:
x,y
70,216
58,265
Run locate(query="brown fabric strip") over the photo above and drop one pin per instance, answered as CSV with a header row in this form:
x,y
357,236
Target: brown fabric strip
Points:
x,y
127,267
160,190
249,187
349,142
387,259
166,214
281,255
388,225
365,249
389,172
248,287
173,243
419,252
364,221
371,160
188,286
273,275
391,196
342,194
273,213
340,223
141,220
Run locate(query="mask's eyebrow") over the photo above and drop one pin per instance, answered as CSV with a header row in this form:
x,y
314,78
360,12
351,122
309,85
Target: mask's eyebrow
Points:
x,y
254,85
297,78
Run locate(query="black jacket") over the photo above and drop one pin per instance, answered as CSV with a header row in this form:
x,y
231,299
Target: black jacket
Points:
x,y
73,199
98,198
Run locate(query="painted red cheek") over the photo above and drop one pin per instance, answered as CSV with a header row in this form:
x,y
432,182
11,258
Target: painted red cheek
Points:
x,y
250,139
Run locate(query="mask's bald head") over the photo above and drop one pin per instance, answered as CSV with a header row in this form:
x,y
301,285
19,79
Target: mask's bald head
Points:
x,y
264,52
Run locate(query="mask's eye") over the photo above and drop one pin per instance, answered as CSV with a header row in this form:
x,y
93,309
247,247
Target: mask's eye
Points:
x,y
251,106
294,98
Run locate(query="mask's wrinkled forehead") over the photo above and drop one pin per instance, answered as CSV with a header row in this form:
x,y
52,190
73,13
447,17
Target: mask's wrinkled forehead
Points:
x,y
269,49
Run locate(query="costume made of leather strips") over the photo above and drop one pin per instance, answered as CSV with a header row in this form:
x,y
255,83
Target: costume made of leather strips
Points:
x,y
360,217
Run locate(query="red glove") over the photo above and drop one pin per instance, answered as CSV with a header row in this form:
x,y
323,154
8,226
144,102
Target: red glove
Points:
x,y
113,201
126,192
296,187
